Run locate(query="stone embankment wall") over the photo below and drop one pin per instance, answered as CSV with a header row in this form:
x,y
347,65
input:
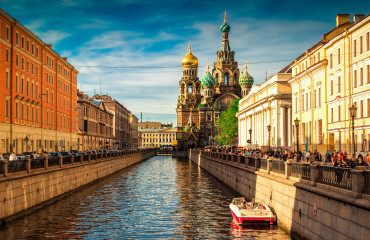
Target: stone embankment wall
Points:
x,y
306,209
23,191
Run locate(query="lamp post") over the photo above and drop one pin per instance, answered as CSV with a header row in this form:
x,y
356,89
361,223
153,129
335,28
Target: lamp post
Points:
x,y
269,129
353,110
296,123
250,135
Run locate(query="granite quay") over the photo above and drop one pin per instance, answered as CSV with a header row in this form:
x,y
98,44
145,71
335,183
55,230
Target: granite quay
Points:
x,y
311,201
30,183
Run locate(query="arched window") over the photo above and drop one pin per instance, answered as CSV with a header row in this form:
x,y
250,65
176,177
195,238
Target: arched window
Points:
x,y
235,78
182,89
216,78
226,79
190,89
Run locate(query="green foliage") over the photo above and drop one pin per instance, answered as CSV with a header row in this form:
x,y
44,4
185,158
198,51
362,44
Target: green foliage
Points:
x,y
228,125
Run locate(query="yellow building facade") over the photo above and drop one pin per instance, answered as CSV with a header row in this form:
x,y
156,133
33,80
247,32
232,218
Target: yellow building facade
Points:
x,y
157,137
326,80
267,104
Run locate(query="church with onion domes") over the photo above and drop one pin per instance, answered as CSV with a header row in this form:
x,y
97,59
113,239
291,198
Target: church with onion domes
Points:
x,y
201,102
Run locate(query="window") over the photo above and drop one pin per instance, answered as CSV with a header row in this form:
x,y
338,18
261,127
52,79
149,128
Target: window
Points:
x,y
22,42
296,104
226,79
355,78
314,98
28,113
32,114
37,52
331,87
338,84
7,55
361,77
361,108
37,91
17,60
338,56
16,110
361,45
28,66
354,48
332,114
319,96
32,48
331,60
28,88
22,85
37,71
302,102
28,46
16,83
7,33
32,92
318,57
37,115
22,112
47,96
17,38
23,63
338,113
7,108
306,101
7,79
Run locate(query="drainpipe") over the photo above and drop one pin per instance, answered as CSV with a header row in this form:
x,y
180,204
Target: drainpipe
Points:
x,y
350,100
12,99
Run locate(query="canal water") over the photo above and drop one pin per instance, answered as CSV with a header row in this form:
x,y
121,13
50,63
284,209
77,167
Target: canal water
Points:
x,y
161,198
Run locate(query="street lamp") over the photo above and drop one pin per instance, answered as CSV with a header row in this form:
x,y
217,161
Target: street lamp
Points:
x,y
250,135
269,129
353,111
296,123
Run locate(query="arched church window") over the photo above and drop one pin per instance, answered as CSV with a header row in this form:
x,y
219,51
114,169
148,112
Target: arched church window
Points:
x,y
190,89
226,79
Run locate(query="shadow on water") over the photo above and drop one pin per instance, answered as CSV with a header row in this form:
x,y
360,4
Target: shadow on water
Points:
x,y
161,198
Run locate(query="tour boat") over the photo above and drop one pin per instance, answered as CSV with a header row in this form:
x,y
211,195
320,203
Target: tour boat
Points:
x,y
255,212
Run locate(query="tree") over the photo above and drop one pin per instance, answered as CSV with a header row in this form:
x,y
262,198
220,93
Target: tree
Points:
x,y
228,125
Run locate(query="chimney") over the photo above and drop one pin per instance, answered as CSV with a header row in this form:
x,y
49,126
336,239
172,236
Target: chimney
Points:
x,y
65,59
49,46
342,19
358,17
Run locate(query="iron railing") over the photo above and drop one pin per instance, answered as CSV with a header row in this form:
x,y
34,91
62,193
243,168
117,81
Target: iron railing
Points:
x,y
251,161
263,164
335,176
67,160
53,161
37,163
367,182
17,166
278,166
300,170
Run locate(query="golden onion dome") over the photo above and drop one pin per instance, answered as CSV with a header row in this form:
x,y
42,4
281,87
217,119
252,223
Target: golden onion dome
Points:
x,y
190,59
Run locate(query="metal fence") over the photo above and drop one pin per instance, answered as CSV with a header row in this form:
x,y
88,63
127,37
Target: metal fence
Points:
x,y
67,160
335,176
251,161
367,182
300,170
37,163
17,166
263,164
53,161
278,166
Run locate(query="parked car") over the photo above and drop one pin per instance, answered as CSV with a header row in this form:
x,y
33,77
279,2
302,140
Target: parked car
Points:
x,y
64,154
54,154
20,156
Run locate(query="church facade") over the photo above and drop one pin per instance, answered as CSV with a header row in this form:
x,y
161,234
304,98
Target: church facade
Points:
x,y
201,102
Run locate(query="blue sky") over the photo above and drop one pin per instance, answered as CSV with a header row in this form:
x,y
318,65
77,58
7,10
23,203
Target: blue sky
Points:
x,y
135,46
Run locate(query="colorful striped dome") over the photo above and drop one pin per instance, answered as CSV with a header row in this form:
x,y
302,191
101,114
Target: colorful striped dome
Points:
x,y
208,80
225,28
246,80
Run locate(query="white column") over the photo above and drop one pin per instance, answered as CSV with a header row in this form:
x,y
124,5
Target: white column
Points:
x,y
289,126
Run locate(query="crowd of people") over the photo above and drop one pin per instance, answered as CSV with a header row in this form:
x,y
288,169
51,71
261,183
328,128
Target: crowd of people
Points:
x,y
12,156
337,159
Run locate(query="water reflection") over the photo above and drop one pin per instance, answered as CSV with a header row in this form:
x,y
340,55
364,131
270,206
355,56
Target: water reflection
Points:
x,y
161,198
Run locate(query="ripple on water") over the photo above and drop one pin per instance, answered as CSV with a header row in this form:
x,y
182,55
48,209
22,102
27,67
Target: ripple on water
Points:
x,y
161,198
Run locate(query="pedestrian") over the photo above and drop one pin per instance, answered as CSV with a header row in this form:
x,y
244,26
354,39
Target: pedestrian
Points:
x,y
361,162
12,157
